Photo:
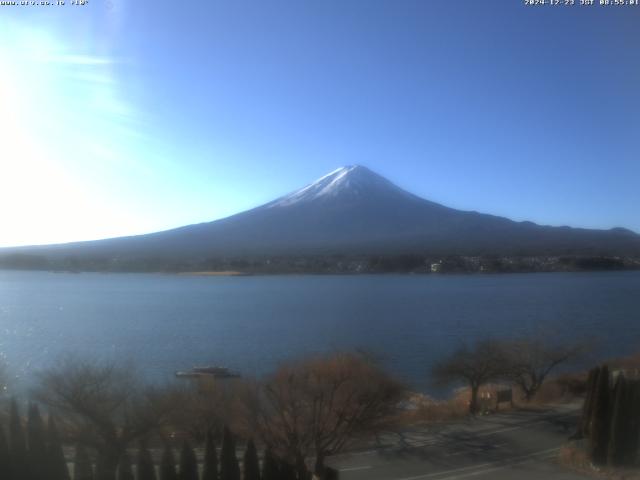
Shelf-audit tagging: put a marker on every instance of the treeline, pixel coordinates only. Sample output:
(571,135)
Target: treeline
(35,452)
(323,264)
(611,418)
(303,413)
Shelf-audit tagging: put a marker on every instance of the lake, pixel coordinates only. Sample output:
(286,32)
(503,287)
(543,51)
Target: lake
(164,323)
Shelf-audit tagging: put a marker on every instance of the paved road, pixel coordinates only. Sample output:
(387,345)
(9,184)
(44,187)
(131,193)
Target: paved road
(512,445)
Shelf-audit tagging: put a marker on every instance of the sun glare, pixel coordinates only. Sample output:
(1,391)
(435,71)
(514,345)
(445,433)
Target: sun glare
(42,199)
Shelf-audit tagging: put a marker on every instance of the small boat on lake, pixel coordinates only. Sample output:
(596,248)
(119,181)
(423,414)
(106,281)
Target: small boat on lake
(208,372)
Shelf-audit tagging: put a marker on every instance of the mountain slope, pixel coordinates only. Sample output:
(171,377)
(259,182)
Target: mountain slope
(353,210)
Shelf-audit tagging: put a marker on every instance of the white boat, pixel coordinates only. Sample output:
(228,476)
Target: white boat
(209,371)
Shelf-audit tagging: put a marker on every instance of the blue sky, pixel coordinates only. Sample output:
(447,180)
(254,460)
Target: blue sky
(130,117)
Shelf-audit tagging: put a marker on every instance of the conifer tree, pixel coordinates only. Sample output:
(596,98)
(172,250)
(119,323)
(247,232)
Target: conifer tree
(145,469)
(56,463)
(18,446)
(210,467)
(104,469)
(587,408)
(82,468)
(5,459)
(125,470)
(619,422)
(269,466)
(600,419)
(168,464)
(188,463)
(330,474)
(37,444)
(287,472)
(633,438)
(229,468)
(251,463)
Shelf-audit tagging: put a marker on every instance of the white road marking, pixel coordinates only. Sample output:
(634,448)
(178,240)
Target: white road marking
(475,449)
(357,454)
(434,474)
(353,469)
(481,468)
(489,470)
(461,452)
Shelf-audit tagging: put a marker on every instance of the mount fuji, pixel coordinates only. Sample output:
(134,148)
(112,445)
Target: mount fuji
(351,210)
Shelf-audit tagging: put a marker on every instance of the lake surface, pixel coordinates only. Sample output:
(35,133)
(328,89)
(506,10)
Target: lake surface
(164,323)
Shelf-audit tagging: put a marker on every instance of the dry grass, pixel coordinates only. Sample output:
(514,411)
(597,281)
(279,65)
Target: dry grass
(571,386)
(574,456)
(424,409)
(563,389)
(630,362)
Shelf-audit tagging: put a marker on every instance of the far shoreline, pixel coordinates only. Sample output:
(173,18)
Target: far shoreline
(216,273)
(235,273)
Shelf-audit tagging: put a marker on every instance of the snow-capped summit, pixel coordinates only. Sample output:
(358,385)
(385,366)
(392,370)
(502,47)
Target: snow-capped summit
(348,182)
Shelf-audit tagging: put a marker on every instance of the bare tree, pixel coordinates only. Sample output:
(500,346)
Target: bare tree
(529,361)
(204,407)
(102,406)
(319,406)
(474,366)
